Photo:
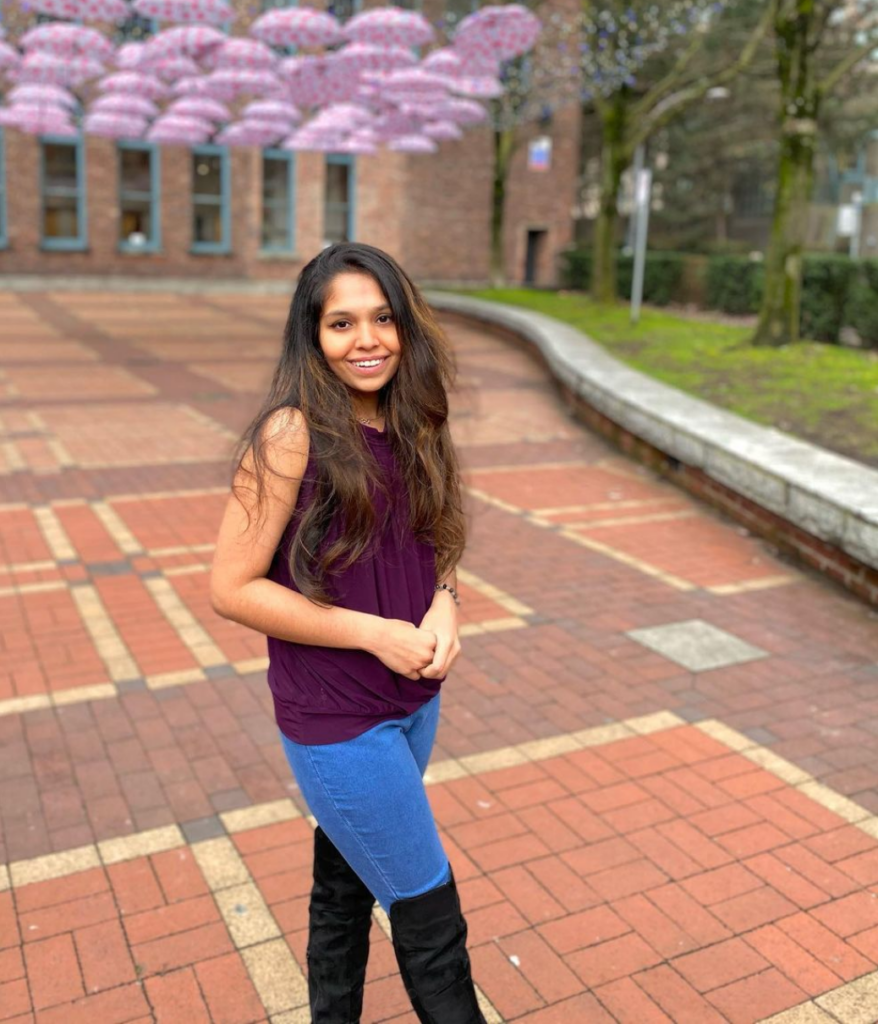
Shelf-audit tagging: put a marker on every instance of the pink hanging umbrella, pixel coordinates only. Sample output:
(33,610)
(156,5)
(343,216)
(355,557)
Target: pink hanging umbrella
(52,95)
(296,26)
(211,12)
(115,126)
(133,82)
(389,26)
(193,124)
(193,41)
(442,130)
(313,81)
(121,103)
(396,122)
(347,115)
(200,106)
(232,82)
(191,85)
(411,81)
(313,142)
(357,147)
(250,133)
(498,32)
(175,135)
(61,40)
(443,61)
(273,110)
(85,10)
(463,111)
(168,68)
(247,54)
(454,63)
(412,144)
(38,119)
(368,57)
(9,56)
(482,87)
(129,55)
(186,130)
(51,70)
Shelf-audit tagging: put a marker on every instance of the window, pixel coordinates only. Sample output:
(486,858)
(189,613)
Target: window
(62,179)
(278,207)
(344,9)
(457,10)
(139,228)
(135,28)
(338,211)
(4,233)
(211,222)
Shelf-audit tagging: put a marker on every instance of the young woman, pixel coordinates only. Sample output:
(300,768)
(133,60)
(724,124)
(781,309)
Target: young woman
(340,542)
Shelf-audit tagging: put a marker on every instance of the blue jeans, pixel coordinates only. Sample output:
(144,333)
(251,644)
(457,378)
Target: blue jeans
(368,796)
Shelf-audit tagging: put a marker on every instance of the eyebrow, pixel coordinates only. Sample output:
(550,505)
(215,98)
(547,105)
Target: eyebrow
(344,312)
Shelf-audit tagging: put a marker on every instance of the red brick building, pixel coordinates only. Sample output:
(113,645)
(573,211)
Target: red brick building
(92,206)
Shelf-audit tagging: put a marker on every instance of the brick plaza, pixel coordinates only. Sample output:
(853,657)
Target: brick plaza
(656,774)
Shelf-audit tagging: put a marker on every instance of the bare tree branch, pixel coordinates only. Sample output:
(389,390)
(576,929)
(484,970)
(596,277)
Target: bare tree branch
(672,80)
(831,81)
(674,104)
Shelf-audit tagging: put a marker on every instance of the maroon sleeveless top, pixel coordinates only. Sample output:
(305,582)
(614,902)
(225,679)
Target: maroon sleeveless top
(328,694)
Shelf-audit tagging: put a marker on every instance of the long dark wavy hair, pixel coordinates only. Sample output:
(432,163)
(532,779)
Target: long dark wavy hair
(415,406)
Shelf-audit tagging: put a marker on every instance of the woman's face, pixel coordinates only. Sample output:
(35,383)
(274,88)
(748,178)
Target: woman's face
(357,333)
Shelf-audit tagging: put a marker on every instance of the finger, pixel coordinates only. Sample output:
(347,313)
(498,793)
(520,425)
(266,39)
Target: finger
(436,668)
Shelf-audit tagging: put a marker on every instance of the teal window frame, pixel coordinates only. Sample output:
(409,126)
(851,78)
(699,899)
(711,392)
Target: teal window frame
(290,159)
(80,243)
(223,247)
(4,227)
(349,160)
(154,195)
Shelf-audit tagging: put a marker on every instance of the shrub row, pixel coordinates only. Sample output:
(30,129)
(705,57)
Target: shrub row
(661,279)
(837,292)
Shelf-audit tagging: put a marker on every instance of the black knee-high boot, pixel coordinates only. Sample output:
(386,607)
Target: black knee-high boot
(429,939)
(339,919)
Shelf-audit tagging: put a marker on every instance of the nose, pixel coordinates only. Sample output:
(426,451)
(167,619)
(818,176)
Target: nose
(368,338)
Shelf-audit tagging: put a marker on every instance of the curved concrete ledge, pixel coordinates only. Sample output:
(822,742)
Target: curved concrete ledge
(827,496)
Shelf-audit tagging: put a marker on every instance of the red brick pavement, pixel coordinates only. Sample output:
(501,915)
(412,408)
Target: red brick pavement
(662,877)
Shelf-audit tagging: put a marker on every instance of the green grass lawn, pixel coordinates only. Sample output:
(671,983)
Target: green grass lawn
(823,393)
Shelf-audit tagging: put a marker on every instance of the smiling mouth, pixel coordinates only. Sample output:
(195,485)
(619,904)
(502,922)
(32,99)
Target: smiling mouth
(368,364)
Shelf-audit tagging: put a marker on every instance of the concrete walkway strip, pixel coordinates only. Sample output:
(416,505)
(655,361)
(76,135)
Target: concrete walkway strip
(826,495)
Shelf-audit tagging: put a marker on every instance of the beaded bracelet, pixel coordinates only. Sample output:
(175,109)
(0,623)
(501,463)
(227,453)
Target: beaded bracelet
(450,589)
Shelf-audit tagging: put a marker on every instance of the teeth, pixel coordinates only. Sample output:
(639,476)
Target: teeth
(368,363)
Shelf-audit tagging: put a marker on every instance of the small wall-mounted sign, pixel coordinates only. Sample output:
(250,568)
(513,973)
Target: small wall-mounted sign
(539,154)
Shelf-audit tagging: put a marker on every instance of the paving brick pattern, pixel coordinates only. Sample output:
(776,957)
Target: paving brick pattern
(663,877)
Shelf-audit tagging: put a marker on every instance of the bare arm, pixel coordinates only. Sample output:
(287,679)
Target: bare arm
(248,539)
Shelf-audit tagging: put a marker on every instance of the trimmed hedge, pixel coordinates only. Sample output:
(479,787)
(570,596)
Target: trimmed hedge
(734,284)
(826,288)
(837,292)
(661,280)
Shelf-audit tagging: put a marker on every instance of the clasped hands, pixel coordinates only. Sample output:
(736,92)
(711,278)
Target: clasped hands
(426,651)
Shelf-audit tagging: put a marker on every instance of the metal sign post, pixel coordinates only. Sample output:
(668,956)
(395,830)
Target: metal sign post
(643,196)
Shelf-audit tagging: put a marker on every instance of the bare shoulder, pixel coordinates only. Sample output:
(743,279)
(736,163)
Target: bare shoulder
(286,442)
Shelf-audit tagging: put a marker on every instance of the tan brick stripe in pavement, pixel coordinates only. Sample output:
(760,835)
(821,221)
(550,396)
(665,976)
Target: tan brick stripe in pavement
(242,879)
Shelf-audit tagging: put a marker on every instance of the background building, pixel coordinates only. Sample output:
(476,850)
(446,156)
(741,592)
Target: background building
(93,206)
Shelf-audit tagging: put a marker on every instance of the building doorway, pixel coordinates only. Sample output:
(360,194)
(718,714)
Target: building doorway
(533,256)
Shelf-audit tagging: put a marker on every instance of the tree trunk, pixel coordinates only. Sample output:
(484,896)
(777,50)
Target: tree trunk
(780,315)
(503,149)
(615,158)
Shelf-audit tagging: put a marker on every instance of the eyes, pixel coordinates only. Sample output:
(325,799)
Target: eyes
(383,320)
